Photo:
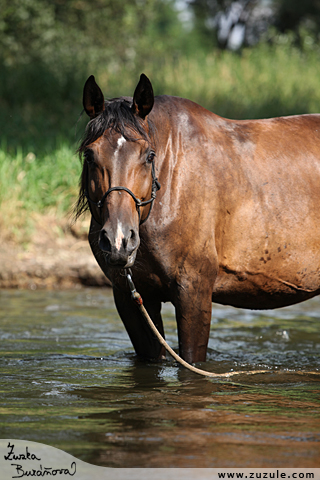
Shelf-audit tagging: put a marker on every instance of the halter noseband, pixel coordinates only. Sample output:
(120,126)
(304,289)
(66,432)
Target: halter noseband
(138,202)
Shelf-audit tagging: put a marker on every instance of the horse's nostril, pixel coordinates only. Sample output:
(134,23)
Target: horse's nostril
(104,242)
(134,239)
(130,241)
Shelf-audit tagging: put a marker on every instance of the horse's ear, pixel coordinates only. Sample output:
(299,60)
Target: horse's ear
(143,98)
(93,101)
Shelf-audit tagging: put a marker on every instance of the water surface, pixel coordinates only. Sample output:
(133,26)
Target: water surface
(70,379)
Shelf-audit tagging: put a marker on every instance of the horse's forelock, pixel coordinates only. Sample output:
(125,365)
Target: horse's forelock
(119,117)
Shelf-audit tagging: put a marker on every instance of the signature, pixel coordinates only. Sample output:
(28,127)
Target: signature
(40,471)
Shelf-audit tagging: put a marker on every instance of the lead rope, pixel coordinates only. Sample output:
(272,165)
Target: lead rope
(139,302)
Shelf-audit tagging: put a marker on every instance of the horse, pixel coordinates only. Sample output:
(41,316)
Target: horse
(201,208)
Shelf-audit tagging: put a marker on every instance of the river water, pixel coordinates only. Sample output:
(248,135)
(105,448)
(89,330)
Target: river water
(70,379)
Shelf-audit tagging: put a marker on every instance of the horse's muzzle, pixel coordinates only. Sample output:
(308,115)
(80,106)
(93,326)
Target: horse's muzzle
(120,249)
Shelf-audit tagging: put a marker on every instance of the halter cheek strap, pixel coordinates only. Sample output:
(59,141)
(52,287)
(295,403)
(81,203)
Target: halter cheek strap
(138,202)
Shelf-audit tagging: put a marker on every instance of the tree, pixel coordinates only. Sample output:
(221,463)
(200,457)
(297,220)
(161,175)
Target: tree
(291,15)
(231,24)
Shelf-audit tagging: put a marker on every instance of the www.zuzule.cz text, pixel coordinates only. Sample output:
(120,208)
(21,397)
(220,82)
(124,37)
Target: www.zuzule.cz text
(274,475)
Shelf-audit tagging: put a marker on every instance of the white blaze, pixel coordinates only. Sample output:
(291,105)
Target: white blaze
(119,236)
(121,141)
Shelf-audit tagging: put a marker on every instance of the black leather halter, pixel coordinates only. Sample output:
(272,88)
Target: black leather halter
(138,202)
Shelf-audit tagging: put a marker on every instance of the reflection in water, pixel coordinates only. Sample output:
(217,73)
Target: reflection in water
(69,378)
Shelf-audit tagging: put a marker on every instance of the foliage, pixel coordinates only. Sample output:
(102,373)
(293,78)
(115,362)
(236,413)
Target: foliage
(85,31)
(49,47)
(293,14)
(287,16)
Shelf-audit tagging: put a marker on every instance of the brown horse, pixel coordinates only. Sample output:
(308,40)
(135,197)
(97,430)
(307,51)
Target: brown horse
(236,221)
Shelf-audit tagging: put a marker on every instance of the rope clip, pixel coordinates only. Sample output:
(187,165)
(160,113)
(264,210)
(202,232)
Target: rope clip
(136,297)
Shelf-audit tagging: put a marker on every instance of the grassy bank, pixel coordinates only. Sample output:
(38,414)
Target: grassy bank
(42,174)
(33,185)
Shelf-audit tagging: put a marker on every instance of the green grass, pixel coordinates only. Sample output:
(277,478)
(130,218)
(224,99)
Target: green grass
(262,82)
(265,81)
(32,185)
(39,170)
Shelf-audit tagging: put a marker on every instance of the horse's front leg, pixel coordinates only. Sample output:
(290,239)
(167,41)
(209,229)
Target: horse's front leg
(193,304)
(143,340)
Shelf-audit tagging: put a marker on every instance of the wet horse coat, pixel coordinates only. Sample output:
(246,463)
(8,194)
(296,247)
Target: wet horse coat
(236,221)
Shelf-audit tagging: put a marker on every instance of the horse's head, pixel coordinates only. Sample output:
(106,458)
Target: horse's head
(118,179)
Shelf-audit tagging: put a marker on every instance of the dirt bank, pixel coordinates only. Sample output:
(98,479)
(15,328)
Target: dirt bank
(56,255)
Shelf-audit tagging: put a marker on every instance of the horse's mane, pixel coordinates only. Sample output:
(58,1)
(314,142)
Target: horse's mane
(119,117)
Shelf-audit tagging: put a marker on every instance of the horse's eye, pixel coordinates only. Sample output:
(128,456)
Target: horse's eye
(89,158)
(151,156)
